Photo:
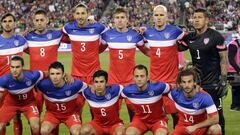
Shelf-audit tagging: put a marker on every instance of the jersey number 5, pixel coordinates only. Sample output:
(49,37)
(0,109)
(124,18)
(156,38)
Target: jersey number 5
(61,107)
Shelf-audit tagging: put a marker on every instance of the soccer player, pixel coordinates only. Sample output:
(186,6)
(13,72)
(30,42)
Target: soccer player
(104,105)
(122,42)
(162,38)
(10,45)
(20,96)
(84,39)
(209,56)
(60,99)
(234,70)
(198,114)
(42,47)
(146,99)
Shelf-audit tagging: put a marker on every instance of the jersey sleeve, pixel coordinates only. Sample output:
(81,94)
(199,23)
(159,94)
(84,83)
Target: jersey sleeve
(104,38)
(219,39)
(140,40)
(2,84)
(209,105)
(38,75)
(82,85)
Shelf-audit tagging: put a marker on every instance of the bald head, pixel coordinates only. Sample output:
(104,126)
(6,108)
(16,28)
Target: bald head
(160,17)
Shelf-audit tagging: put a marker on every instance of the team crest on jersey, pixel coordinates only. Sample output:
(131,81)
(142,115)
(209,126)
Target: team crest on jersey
(91,31)
(108,96)
(167,35)
(28,83)
(151,92)
(129,38)
(206,40)
(49,36)
(195,105)
(68,92)
(16,42)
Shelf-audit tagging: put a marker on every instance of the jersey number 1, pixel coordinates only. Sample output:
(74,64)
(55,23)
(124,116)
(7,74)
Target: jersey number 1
(146,109)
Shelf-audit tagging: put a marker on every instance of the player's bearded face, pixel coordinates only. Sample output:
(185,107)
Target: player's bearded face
(99,85)
(159,17)
(81,15)
(8,24)
(140,78)
(120,20)
(188,84)
(199,20)
(56,76)
(16,69)
(40,22)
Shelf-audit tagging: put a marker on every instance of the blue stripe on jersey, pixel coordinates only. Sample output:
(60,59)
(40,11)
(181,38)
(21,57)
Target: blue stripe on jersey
(49,35)
(131,36)
(153,89)
(67,90)
(199,101)
(90,29)
(29,79)
(111,92)
(170,32)
(12,42)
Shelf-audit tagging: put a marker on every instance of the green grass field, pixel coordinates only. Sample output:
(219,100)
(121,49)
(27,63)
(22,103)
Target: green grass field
(232,118)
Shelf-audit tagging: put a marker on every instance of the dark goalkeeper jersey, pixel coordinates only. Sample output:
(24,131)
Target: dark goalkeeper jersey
(204,50)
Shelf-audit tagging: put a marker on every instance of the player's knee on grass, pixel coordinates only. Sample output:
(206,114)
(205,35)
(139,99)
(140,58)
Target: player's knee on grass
(132,131)
(2,126)
(34,124)
(120,130)
(46,128)
(214,129)
(75,129)
(160,131)
(87,130)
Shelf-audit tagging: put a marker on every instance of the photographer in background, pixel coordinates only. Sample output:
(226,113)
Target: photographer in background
(234,72)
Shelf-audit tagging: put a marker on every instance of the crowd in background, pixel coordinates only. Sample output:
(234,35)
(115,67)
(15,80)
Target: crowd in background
(225,14)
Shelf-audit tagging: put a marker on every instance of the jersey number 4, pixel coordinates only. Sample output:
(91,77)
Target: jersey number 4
(188,118)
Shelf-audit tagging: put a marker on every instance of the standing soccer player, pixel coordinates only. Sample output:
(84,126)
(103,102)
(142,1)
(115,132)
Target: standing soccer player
(20,96)
(104,105)
(146,99)
(84,39)
(60,99)
(209,56)
(10,45)
(122,42)
(198,114)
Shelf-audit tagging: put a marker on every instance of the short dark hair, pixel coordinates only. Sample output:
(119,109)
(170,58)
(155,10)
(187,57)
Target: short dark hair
(99,73)
(41,12)
(80,5)
(7,15)
(141,67)
(56,65)
(120,10)
(202,10)
(187,72)
(17,58)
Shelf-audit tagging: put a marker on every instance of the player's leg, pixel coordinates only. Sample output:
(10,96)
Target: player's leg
(46,128)
(74,124)
(170,108)
(160,127)
(7,113)
(17,124)
(235,106)
(2,96)
(214,130)
(118,129)
(179,130)
(32,114)
(88,129)
(136,127)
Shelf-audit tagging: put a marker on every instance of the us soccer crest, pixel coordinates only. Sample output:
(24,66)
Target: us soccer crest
(68,92)
(108,96)
(91,31)
(195,105)
(206,40)
(49,36)
(129,38)
(151,92)
(167,35)
(28,83)
(16,42)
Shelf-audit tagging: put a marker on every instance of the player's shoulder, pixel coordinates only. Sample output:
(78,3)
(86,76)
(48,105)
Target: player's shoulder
(214,33)
(156,85)
(5,78)
(70,25)
(114,88)
(55,32)
(19,38)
